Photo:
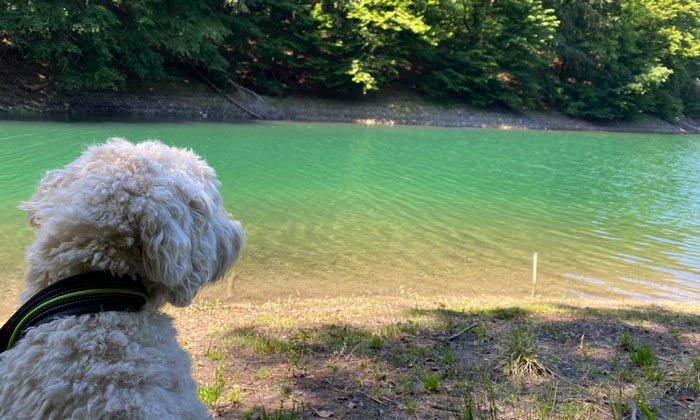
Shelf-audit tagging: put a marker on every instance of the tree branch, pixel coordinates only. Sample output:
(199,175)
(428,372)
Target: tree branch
(230,98)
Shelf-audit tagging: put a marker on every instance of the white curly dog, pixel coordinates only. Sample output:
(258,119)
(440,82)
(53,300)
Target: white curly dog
(146,211)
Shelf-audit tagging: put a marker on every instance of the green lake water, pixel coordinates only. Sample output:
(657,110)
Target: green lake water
(333,209)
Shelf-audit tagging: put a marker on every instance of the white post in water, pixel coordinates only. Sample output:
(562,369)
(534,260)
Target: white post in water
(534,273)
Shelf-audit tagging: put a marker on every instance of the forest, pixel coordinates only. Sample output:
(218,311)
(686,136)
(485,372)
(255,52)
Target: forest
(594,59)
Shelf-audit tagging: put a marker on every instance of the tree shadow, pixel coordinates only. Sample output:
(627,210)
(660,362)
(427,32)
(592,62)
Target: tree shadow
(417,366)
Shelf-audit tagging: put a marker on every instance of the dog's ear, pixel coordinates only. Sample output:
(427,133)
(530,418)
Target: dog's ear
(187,241)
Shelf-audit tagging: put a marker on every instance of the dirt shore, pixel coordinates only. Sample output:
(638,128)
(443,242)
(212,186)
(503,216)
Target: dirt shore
(421,357)
(30,96)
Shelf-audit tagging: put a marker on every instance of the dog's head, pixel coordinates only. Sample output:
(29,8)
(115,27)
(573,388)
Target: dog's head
(144,209)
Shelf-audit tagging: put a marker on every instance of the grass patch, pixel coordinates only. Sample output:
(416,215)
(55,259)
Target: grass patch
(375,342)
(690,373)
(627,342)
(521,354)
(617,403)
(294,413)
(431,382)
(235,395)
(411,405)
(214,355)
(262,372)
(507,313)
(476,397)
(261,344)
(643,356)
(209,394)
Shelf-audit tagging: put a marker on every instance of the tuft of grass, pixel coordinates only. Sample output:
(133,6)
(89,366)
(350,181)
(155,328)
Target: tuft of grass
(574,410)
(276,321)
(209,394)
(411,405)
(449,360)
(375,342)
(378,392)
(431,382)
(627,342)
(653,373)
(475,400)
(404,385)
(262,372)
(260,344)
(691,374)
(643,356)
(214,355)
(508,313)
(296,412)
(480,331)
(626,374)
(544,405)
(617,403)
(235,395)
(522,354)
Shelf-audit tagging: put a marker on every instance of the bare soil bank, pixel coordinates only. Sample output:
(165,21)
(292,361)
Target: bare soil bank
(443,358)
(29,95)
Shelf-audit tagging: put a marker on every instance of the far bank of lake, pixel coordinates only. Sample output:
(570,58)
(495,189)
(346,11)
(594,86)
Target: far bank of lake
(198,102)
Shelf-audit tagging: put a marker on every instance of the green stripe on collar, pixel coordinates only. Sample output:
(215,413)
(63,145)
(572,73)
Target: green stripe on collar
(77,295)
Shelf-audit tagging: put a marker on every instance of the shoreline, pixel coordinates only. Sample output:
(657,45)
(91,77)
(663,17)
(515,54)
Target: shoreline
(198,103)
(442,358)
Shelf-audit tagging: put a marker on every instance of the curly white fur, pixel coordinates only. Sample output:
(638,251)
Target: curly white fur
(144,210)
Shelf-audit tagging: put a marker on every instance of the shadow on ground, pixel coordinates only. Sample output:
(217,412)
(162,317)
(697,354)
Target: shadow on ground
(529,362)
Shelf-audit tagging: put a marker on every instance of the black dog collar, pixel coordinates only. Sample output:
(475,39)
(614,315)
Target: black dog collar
(77,295)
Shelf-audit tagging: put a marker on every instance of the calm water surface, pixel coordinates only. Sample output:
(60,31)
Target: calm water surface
(343,209)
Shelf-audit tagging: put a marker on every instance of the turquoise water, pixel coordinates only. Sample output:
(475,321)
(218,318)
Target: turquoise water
(344,209)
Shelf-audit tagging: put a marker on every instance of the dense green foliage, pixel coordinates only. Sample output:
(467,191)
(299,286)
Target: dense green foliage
(618,58)
(98,44)
(589,58)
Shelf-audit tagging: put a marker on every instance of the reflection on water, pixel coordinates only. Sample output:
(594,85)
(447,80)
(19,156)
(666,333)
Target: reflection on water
(342,209)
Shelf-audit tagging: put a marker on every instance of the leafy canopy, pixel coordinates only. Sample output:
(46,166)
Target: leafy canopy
(599,59)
